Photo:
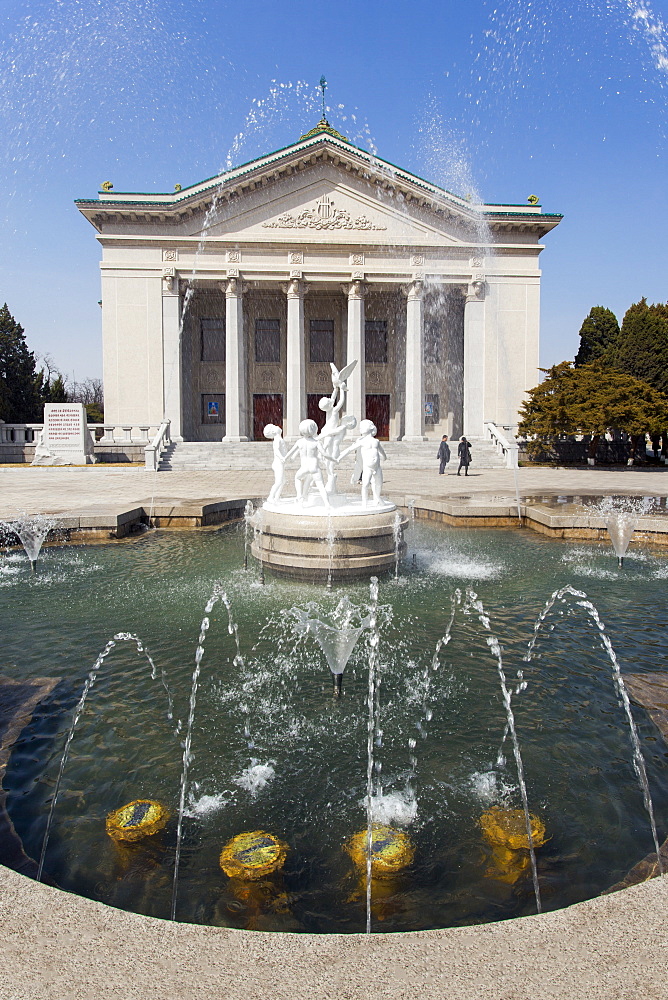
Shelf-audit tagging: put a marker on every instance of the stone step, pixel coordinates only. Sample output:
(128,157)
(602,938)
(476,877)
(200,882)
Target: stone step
(256,455)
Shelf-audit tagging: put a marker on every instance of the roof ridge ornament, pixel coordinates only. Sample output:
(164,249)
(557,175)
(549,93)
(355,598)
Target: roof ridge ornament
(323,125)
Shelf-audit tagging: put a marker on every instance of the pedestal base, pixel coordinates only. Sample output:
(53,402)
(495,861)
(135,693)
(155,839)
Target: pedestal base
(313,547)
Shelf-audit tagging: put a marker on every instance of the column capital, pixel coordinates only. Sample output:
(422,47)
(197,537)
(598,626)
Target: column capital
(170,281)
(234,286)
(476,289)
(357,289)
(295,288)
(415,288)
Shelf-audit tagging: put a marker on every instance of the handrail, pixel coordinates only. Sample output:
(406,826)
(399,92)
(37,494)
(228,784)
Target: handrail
(153,451)
(505,445)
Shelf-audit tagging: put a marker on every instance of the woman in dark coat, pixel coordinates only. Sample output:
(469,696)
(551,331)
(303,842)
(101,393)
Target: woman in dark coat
(464,452)
(443,454)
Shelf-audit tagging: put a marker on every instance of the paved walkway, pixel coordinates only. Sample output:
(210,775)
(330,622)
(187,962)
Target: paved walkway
(24,489)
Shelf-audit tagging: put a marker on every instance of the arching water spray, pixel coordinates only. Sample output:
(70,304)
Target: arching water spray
(638,759)
(372,725)
(90,680)
(473,604)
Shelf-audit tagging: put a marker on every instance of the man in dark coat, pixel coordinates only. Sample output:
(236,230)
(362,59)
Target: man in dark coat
(464,452)
(443,454)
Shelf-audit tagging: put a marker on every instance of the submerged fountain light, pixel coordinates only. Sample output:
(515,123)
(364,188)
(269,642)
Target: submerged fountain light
(136,820)
(391,851)
(253,855)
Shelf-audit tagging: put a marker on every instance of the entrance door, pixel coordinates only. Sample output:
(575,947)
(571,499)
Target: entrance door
(267,409)
(378,410)
(313,411)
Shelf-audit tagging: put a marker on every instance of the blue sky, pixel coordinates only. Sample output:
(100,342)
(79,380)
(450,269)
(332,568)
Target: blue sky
(505,99)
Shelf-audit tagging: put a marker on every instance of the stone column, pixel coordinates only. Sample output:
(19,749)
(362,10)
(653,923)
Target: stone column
(172,387)
(355,348)
(414,404)
(236,407)
(474,359)
(295,382)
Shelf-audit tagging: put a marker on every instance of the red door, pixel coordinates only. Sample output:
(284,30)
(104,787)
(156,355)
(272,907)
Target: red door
(378,410)
(313,411)
(267,409)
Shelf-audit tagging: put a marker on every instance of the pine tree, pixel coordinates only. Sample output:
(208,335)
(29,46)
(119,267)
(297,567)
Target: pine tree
(20,385)
(641,350)
(598,332)
(589,400)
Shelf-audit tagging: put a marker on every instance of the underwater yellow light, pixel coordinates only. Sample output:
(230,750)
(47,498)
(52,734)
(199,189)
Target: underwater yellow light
(391,850)
(253,855)
(137,819)
(507,828)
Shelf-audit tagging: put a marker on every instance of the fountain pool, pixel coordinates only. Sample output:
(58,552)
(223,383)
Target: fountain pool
(272,750)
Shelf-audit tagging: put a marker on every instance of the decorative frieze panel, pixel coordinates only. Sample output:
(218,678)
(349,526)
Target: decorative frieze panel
(170,254)
(357,260)
(417,260)
(324,216)
(233,256)
(295,257)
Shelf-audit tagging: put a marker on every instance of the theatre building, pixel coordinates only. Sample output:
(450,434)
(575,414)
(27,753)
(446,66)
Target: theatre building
(224,303)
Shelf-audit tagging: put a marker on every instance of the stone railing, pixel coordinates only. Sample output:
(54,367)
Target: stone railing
(506,444)
(18,434)
(153,451)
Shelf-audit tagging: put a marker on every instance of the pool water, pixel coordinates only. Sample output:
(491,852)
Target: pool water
(273,750)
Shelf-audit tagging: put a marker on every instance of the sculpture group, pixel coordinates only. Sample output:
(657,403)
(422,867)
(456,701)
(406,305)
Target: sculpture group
(320,452)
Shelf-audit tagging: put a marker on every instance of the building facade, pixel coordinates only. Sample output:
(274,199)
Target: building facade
(224,303)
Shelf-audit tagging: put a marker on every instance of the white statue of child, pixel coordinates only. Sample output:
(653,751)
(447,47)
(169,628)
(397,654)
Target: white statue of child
(310,450)
(372,454)
(280,449)
(332,448)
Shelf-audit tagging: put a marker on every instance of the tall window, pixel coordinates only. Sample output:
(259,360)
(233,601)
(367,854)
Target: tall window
(375,341)
(267,340)
(213,340)
(322,340)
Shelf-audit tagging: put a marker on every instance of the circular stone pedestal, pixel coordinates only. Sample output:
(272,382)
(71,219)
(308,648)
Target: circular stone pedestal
(310,544)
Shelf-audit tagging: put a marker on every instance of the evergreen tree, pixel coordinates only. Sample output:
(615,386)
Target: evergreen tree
(589,400)
(54,390)
(641,350)
(599,330)
(20,385)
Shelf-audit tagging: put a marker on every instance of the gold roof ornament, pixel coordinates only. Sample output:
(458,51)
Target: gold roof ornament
(533,199)
(106,185)
(323,125)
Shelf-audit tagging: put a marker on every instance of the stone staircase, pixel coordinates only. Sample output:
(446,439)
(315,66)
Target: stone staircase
(249,456)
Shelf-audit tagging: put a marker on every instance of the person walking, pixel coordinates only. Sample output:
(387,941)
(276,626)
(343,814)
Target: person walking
(443,454)
(464,452)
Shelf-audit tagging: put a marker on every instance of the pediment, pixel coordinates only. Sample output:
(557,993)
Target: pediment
(324,203)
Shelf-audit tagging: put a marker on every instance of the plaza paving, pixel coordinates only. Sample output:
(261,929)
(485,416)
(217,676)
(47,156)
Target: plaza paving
(24,489)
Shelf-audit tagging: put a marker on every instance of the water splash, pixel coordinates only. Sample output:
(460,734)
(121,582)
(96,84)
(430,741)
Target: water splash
(255,778)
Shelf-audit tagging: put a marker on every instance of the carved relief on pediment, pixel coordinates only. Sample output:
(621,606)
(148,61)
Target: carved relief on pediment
(325,215)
